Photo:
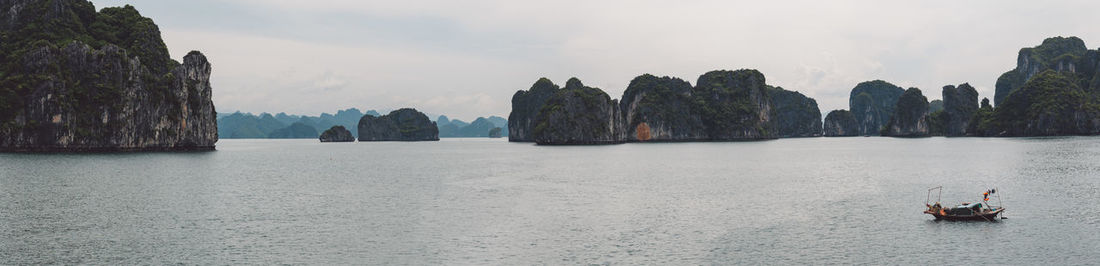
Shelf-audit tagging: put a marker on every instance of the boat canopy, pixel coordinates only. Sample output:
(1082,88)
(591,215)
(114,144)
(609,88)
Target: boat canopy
(971,205)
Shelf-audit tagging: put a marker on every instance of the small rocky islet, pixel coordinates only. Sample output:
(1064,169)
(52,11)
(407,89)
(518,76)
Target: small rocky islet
(404,124)
(337,134)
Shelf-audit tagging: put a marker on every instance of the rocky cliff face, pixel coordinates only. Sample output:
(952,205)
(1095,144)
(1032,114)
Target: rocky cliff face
(735,105)
(1049,104)
(795,114)
(1059,54)
(337,134)
(1053,90)
(872,103)
(404,124)
(70,88)
(910,118)
(526,106)
(578,114)
(841,123)
(496,132)
(660,109)
(724,105)
(959,105)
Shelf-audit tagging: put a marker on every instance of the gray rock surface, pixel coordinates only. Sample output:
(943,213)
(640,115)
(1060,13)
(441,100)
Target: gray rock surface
(337,134)
(910,118)
(795,114)
(61,94)
(404,124)
(578,114)
(841,123)
(660,109)
(959,105)
(526,105)
(872,103)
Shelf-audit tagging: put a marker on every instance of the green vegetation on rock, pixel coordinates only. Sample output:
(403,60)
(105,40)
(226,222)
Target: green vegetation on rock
(734,105)
(526,105)
(73,79)
(662,107)
(404,124)
(795,114)
(910,118)
(578,114)
(872,103)
(841,123)
(337,134)
(1067,55)
(1051,103)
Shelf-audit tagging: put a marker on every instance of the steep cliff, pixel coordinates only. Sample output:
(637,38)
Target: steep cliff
(734,105)
(404,124)
(872,103)
(337,134)
(910,118)
(1050,104)
(526,106)
(578,114)
(1060,54)
(660,109)
(1054,90)
(723,106)
(959,105)
(841,123)
(73,79)
(795,114)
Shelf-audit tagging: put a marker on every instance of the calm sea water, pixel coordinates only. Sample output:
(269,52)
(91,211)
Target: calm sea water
(480,201)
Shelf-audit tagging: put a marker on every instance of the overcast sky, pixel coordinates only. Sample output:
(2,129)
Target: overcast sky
(466,58)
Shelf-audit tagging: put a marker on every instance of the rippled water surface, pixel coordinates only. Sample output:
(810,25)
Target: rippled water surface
(474,201)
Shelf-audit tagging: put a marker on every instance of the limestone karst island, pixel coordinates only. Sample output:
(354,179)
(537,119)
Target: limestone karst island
(499,132)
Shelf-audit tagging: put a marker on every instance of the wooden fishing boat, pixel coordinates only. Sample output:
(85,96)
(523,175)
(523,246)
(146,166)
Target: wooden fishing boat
(978,211)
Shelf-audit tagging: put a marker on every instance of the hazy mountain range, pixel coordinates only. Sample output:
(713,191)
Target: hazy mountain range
(238,125)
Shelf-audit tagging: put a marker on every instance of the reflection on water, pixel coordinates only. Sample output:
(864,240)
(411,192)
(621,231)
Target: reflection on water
(475,201)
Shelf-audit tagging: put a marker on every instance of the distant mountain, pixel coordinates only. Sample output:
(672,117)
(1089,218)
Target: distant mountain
(499,122)
(454,128)
(298,130)
(282,125)
(247,126)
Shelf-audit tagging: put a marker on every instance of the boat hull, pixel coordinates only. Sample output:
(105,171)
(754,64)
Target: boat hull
(985,216)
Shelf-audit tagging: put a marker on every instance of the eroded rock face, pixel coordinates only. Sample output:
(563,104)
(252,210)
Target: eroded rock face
(725,105)
(1059,54)
(59,95)
(337,134)
(660,109)
(959,105)
(841,123)
(735,105)
(526,106)
(578,114)
(1050,104)
(795,114)
(404,124)
(910,118)
(872,103)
